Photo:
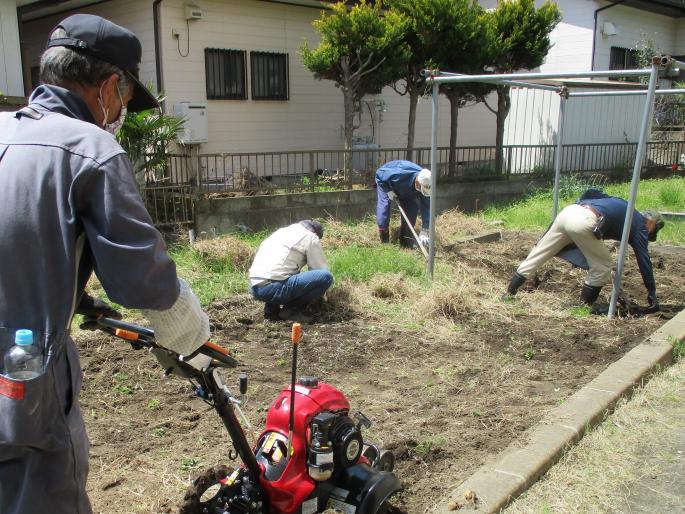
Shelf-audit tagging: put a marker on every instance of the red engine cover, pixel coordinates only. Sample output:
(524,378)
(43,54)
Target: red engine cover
(295,485)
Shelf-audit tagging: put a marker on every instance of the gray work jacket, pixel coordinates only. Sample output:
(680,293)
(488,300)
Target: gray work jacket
(69,206)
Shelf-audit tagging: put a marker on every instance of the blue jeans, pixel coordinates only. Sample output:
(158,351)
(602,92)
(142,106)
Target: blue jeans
(296,291)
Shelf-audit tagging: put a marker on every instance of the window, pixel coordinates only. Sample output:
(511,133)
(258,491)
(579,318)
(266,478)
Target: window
(623,59)
(225,74)
(269,76)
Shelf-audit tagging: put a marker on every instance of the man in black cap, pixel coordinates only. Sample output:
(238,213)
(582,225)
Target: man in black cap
(275,276)
(70,206)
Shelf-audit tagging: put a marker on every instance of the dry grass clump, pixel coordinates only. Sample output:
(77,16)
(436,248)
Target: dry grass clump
(445,301)
(454,224)
(389,286)
(225,250)
(337,234)
(341,297)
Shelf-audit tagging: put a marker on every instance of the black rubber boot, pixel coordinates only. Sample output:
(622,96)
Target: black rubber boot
(384,235)
(295,314)
(406,237)
(589,294)
(516,281)
(271,311)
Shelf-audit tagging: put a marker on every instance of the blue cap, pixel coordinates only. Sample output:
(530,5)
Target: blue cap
(23,337)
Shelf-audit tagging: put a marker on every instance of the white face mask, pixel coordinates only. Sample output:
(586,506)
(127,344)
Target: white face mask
(116,125)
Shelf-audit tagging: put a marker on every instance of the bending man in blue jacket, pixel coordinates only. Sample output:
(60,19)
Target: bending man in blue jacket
(409,185)
(596,216)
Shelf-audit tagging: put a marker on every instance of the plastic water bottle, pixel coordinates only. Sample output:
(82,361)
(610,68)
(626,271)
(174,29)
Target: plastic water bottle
(24,360)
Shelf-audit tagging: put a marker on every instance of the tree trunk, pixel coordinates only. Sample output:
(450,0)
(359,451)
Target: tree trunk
(503,106)
(348,130)
(411,126)
(454,98)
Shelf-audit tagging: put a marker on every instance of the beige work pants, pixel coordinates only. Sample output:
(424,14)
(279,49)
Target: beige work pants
(573,224)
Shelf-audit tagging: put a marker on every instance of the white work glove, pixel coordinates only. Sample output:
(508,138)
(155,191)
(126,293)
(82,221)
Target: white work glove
(392,195)
(424,238)
(184,327)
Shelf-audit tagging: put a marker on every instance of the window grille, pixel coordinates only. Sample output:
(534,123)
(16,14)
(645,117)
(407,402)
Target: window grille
(269,74)
(225,74)
(623,58)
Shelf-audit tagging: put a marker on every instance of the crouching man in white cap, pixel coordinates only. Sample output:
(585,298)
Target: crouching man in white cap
(409,185)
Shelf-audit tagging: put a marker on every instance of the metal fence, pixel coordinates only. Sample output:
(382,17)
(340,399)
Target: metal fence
(169,189)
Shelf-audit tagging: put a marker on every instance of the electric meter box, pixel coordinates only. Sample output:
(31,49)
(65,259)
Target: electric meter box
(193,12)
(195,128)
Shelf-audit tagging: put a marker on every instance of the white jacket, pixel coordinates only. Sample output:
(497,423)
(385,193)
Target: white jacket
(285,252)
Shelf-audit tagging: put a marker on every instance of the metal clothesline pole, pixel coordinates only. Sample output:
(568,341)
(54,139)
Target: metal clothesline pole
(527,76)
(586,94)
(434,181)
(531,85)
(644,131)
(435,77)
(557,155)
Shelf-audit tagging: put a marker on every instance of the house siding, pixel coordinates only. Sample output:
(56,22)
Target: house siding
(634,26)
(313,116)
(135,15)
(11,82)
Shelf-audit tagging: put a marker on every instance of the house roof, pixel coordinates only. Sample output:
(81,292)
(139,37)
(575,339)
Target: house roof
(672,8)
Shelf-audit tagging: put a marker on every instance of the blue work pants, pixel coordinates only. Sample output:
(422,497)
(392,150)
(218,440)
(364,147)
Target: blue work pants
(296,291)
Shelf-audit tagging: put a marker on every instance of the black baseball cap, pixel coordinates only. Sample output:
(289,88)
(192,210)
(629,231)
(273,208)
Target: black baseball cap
(313,226)
(111,43)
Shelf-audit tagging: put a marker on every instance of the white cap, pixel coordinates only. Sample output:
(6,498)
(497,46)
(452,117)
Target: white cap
(424,178)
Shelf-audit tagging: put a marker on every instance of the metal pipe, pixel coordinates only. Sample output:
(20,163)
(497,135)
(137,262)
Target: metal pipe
(629,92)
(646,119)
(156,13)
(531,85)
(515,76)
(434,181)
(413,232)
(557,156)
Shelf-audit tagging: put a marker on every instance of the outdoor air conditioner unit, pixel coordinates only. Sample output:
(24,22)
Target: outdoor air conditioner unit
(195,128)
(193,12)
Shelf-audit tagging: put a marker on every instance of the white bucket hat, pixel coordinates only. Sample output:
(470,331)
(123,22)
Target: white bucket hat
(424,179)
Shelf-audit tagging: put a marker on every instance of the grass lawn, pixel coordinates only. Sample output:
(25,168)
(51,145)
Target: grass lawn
(533,213)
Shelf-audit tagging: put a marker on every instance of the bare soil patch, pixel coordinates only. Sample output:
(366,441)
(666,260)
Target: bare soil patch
(444,394)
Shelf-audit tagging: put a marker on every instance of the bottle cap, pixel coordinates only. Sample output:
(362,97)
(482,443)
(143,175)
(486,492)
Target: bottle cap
(23,337)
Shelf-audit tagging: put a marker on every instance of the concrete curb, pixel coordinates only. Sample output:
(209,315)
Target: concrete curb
(517,467)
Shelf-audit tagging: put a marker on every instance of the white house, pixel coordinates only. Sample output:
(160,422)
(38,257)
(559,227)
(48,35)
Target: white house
(189,44)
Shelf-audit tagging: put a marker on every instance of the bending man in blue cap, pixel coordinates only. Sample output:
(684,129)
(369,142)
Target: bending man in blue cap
(410,186)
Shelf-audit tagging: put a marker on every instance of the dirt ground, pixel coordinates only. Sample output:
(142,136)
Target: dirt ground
(443,395)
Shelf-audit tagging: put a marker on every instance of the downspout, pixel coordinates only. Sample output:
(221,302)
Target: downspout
(156,11)
(594,29)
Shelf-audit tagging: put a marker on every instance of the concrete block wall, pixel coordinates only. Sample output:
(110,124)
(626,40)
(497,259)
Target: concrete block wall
(222,215)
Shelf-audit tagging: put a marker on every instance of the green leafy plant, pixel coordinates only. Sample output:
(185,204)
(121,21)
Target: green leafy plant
(146,137)
(159,432)
(529,354)
(580,311)
(153,404)
(519,38)
(361,49)
(678,347)
(122,389)
(189,463)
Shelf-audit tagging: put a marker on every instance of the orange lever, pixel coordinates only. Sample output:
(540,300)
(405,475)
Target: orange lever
(217,348)
(126,334)
(296,333)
